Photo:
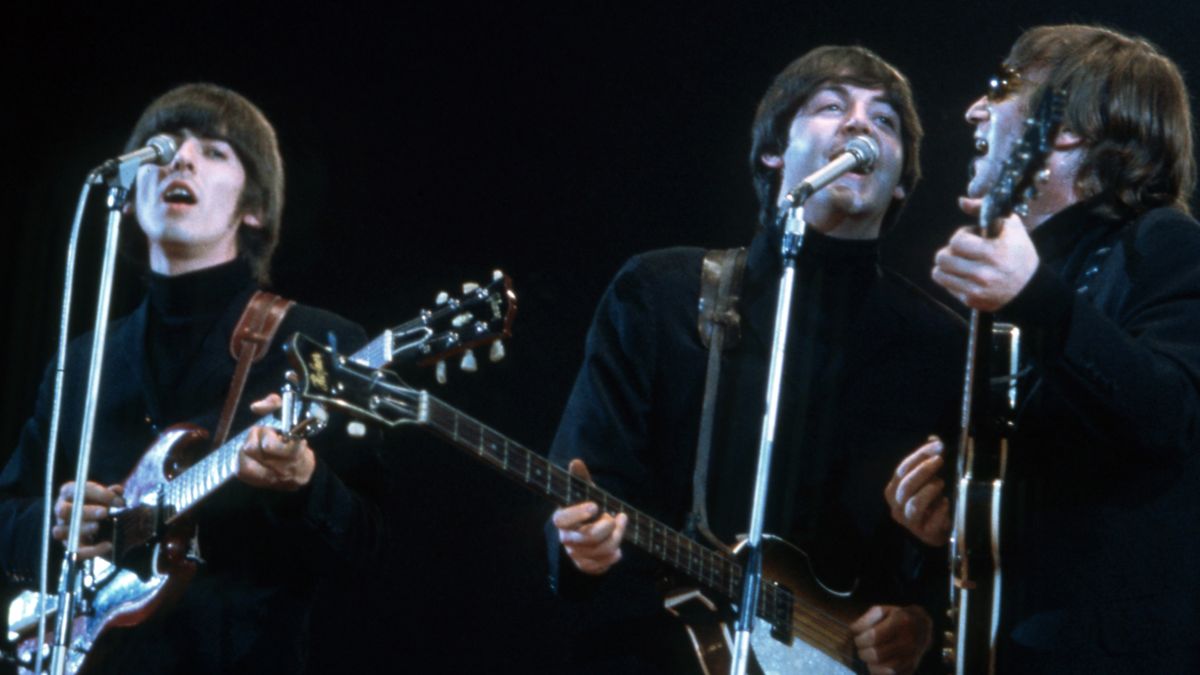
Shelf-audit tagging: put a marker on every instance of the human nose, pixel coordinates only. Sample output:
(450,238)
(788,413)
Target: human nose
(857,121)
(977,112)
(185,155)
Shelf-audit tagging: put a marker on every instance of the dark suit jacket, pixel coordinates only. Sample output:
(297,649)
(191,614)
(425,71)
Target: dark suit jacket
(264,551)
(854,404)
(1103,506)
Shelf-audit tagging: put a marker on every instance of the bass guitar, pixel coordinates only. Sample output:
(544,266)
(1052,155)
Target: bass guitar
(152,558)
(803,625)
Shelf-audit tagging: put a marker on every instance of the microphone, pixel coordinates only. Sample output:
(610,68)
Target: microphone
(159,149)
(860,153)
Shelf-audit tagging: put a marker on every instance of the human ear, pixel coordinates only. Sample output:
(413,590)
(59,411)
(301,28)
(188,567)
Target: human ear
(899,192)
(771,160)
(251,220)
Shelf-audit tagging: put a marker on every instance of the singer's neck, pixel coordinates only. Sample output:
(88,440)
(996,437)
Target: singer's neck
(831,218)
(174,258)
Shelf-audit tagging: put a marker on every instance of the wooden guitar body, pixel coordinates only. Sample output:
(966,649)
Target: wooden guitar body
(820,616)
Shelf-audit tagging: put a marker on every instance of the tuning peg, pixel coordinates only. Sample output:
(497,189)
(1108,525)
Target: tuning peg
(497,275)
(440,372)
(442,298)
(468,361)
(496,353)
(469,286)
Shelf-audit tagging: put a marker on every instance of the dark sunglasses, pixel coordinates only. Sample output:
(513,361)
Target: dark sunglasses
(1003,84)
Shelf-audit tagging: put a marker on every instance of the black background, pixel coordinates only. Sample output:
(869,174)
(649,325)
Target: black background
(425,145)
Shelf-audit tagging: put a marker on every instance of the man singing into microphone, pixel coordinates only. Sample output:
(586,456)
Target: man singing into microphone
(1101,514)
(870,360)
(210,220)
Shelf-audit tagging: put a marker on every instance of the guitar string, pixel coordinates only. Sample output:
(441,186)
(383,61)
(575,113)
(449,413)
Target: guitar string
(812,623)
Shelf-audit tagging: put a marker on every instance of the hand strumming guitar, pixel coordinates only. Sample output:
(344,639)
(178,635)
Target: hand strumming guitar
(97,499)
(916,495)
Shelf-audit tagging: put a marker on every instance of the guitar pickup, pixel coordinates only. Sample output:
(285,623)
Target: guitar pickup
(778,611)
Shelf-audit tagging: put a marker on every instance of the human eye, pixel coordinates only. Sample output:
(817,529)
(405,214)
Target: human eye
(888,120)
(826,101)
(216,150)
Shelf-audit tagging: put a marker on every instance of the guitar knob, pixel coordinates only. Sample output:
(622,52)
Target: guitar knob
(356,429)
(468,361)
(496,353)
(440,372)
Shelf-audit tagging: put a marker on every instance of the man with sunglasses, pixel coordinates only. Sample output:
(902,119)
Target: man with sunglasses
(1101,518)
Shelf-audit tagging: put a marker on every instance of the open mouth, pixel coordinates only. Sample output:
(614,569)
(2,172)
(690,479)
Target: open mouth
(178,193)
(981,147)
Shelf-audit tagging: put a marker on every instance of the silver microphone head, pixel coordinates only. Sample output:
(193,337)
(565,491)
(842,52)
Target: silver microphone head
(164,147)
(866,150)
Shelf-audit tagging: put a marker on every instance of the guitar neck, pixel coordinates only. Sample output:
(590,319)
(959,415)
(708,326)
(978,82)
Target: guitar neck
(204,477)
(718,572)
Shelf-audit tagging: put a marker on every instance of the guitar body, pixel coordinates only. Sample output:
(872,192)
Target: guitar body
(824,647)
(150,569)
(976,567)
(976,594)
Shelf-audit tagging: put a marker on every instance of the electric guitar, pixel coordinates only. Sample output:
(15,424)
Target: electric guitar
(987,414)
(802,624)
(152,559)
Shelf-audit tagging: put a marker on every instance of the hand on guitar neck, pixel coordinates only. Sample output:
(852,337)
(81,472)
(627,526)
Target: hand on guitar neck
(272,461)
(887,638)
(593,543)
(916,495)
(267,460)
(986,274)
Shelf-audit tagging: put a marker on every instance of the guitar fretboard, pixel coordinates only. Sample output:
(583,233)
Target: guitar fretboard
(219,466)
(715,570)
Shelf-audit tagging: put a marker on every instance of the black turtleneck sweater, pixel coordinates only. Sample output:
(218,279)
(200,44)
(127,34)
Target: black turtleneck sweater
(183,319)
(169,362)
(873,367)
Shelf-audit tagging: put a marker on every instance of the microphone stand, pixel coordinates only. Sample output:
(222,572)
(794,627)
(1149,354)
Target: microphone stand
(69,587)
(793,238)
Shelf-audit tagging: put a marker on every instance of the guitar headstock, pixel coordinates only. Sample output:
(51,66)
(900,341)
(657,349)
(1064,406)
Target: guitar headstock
(340,383)
(1016,184)
(482,315)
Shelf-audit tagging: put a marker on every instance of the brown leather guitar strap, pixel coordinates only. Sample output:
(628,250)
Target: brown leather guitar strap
(249,343)
(719,324)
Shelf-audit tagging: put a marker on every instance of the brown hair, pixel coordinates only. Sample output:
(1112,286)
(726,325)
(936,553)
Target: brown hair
(1128,103)
(801,79)
(212,111)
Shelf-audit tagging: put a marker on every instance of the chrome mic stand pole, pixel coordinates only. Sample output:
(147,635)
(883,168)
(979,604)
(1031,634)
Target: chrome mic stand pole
(793,238)
(118,195)
(56,412)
